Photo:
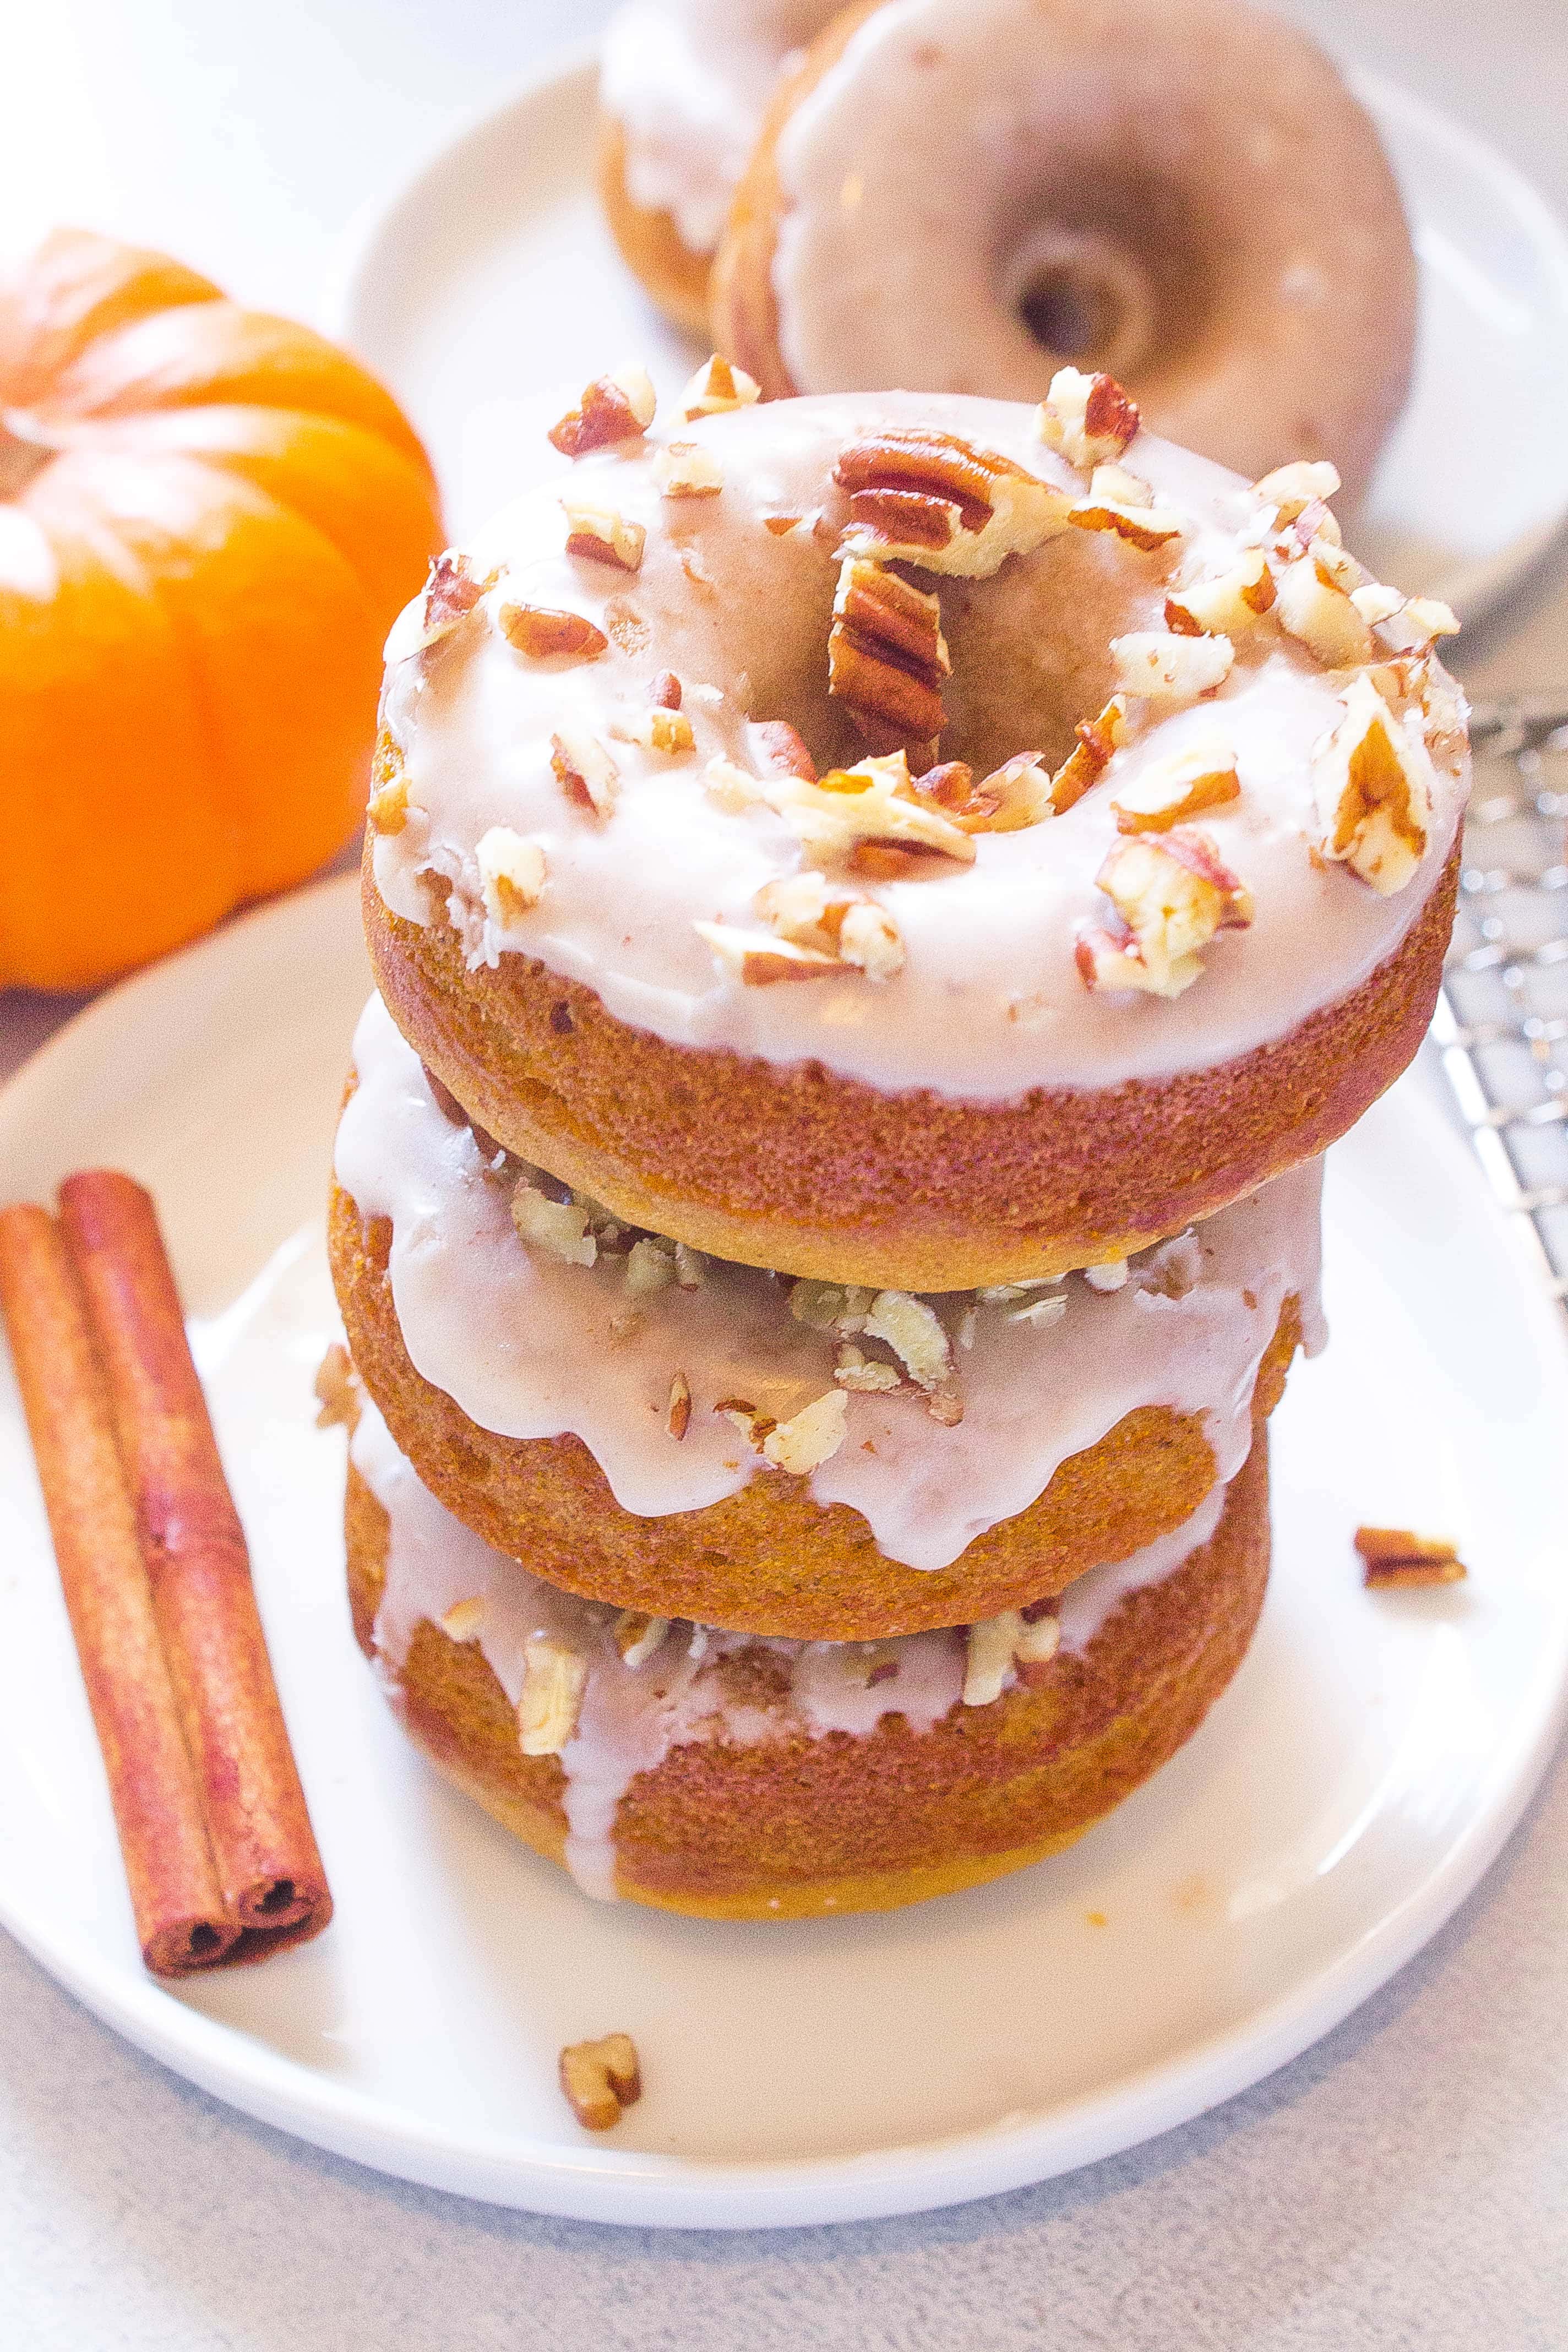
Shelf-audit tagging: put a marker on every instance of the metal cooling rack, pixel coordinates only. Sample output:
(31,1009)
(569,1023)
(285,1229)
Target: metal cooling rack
(1501,1023)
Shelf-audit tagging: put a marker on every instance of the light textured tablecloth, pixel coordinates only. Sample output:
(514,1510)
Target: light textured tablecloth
(1403,2188)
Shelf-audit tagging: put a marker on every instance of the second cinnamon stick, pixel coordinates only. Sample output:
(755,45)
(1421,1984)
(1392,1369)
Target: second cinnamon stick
(183,1921)
(198,1564)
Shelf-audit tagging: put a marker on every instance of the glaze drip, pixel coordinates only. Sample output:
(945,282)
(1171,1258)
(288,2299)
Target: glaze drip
(631,1718)
(530,1348)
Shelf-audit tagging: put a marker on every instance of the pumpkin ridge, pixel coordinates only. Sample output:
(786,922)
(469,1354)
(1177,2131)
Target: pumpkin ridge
(386,565)
(218,354)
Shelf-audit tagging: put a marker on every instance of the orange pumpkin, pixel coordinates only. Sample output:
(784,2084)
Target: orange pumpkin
(208,520)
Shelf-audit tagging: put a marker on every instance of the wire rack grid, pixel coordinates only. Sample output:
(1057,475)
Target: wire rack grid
(1501,1023)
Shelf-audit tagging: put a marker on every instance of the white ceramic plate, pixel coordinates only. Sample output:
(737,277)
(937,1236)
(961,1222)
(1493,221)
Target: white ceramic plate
(489,292)
(1343,1797)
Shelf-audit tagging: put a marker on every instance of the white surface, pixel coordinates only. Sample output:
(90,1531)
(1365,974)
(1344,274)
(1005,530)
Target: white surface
(489,292)
(1341,1800)
(1399,2189)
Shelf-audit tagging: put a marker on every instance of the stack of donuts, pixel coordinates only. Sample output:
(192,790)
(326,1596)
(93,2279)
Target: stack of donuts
(879,903)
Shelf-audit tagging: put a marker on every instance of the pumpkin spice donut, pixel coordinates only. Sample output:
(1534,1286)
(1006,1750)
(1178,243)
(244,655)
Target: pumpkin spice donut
(917,841)
(735,1778)
(650,1428)
(683,86)
(961,197)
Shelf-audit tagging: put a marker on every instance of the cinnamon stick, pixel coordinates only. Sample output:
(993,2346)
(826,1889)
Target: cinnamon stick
(198,1567)
(182,1920)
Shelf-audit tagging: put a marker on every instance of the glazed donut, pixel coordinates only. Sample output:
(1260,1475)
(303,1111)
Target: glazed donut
(1052,1012)
(735,1778)
(1013,1444)
(960,198)
(683,86)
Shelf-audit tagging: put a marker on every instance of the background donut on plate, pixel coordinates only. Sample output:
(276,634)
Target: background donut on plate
(683,86)
(735,1778)
(961,197)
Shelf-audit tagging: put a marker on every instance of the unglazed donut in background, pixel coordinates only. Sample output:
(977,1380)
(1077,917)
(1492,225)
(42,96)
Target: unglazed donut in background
(735,1778)
(994,1076)
(1183,193)
(1038,1435)
(683,87)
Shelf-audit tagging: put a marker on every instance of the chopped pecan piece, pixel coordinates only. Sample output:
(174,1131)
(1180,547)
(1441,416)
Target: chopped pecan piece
(601,2078)
(664,731)
(1294,488)
(1171,669)
(759,958)
(1396,1556)
(1118,501)
(1313,607)
(1088,419)
(1098,738)
(583,770)
(1171,790)
(781,748)
(809,1437)
(685,469)
(716,387)
(1173,893)
(603,535)
(874,805)
(388,807)
(512,873)
(1227,605)
(542,632)
(637,1635)
(613,408)
(464,1621)
(553,1681)
(1373,792)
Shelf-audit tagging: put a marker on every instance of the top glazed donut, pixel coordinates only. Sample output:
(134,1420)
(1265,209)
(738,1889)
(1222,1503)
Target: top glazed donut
(958,198)
(1060,996)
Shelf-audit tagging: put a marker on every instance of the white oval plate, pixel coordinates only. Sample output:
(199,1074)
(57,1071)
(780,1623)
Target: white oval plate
(489,291)
(1343,1796)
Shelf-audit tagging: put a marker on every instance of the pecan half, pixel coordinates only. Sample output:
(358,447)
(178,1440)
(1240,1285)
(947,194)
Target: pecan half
(887,657)
(936,501)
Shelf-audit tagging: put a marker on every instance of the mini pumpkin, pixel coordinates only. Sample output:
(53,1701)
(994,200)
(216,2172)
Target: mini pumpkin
(208,520)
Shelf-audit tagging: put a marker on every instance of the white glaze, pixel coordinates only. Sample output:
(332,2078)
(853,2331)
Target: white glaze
(956,147)
(990,1002)
(631,1719)
(522,1343)
(687,81)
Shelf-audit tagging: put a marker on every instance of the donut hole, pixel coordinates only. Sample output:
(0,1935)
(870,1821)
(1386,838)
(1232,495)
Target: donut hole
(1113,278)
(1083,299)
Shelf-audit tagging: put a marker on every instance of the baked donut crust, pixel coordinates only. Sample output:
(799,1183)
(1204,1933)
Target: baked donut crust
(1254,312)
(801,1826)
(797,1167)
(651,246)
(769,1560)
